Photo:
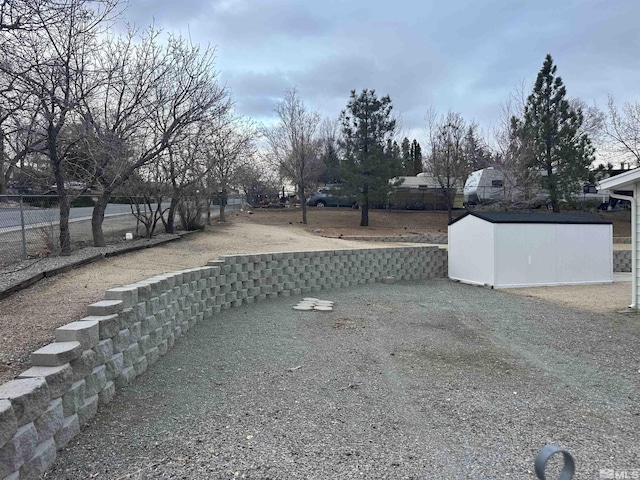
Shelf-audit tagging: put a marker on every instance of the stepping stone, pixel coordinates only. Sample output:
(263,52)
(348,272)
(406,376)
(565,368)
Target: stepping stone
(309,299)
(303,307)
(323,308)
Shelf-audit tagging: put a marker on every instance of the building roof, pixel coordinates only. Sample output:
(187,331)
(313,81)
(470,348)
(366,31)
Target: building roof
(620,182)
(423,181)
(535,217)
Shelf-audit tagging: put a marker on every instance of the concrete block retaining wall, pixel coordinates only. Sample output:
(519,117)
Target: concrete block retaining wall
(622,260)
(45,407)
(430,238)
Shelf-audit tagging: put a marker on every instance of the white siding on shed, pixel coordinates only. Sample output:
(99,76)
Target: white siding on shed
(465,241)
(552,254)
(495,251)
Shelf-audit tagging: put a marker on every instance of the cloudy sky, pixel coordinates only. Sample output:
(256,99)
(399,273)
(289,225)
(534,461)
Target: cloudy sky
(461,55)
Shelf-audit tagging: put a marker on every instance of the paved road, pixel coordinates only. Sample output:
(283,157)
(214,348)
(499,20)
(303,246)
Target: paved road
(10,218)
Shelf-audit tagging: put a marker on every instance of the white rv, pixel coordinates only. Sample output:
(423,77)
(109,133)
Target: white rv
(484,186)
(487,186)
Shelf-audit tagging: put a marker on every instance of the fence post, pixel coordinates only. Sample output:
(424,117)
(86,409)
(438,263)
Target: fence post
(22,229)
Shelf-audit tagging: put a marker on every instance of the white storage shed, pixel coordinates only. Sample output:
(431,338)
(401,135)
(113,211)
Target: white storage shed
(505,249)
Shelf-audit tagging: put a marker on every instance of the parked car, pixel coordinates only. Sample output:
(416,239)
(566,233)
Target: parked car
(330,196)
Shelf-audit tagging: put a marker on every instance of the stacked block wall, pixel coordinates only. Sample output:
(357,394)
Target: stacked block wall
(45,407)
(441,239)
(622,260)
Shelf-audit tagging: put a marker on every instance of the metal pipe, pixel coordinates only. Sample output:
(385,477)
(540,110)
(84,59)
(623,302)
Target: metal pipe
(634,243)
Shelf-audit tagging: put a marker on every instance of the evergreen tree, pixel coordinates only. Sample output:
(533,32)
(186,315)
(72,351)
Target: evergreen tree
(478,156)
(405,148)
(330,154)
(331,162)
(395,151)
(369,162)
(560,152)
(416,158)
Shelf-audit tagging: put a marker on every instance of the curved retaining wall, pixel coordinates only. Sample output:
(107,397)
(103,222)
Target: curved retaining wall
(136,324)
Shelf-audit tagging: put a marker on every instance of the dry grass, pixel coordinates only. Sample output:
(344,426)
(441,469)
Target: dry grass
(336,222)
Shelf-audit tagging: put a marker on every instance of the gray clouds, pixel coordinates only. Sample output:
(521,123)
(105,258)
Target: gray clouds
(462,55)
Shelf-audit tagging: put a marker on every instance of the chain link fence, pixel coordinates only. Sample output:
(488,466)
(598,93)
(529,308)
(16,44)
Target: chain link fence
(29,225)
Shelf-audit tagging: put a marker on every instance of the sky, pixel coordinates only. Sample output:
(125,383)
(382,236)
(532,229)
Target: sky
(465,56)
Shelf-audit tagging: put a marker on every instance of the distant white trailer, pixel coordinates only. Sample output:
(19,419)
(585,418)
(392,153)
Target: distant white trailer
(484,186)
(506,249)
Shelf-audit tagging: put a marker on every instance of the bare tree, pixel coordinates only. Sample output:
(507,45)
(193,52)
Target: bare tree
(47,61)
(622,126)
(447,161)
(147,193)
(512,150)
(183,168)
(593,122)
(295,146)
(19,135)
(152,93)
(258,182)
(28,15)
(230,144)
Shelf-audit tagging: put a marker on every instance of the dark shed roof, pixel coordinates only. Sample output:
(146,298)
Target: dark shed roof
(535,217)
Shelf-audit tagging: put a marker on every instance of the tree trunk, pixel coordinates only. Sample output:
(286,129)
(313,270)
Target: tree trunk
(303,199)
(4,176)
(223,203)
(97,218)
(553,189)
(65,234)
(364,211)
(63,199)
(171,216)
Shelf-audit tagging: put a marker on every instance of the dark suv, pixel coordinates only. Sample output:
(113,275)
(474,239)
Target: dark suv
(330,196)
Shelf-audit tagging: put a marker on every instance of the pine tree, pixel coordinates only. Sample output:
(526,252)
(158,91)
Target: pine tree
(478,156)
(560,152)
(405,148)
(416,158)
(369,160)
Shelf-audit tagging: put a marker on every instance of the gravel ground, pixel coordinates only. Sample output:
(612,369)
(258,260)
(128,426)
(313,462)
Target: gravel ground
(21,271)
(28,318)
(429,380)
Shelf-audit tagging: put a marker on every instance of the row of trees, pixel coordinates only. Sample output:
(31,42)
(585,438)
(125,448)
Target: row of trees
(114,112)
(143,111)
(546,144)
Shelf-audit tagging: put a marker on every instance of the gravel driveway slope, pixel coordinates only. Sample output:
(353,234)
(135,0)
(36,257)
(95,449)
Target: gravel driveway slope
(428,380)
